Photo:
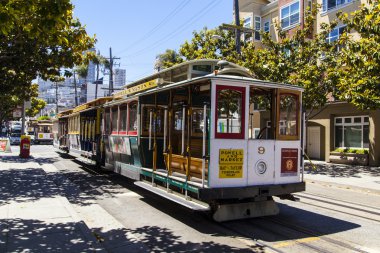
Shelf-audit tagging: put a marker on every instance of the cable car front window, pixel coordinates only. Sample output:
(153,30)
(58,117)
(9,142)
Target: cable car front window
(230,110)
(288,121)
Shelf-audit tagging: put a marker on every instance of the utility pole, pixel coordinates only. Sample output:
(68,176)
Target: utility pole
(56,98)
(237,22)
(111,89)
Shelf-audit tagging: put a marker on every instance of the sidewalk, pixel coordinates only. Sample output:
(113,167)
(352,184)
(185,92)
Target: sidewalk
(362,178)
(37,216)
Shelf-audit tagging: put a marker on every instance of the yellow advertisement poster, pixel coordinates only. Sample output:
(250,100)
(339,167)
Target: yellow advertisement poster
(231,163)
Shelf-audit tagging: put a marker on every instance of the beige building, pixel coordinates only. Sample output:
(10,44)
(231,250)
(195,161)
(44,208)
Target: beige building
(338,126)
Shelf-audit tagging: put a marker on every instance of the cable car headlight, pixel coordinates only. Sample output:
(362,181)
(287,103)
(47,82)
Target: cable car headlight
(261,167)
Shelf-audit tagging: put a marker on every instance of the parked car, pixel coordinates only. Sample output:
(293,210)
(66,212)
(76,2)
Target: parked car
(15,138)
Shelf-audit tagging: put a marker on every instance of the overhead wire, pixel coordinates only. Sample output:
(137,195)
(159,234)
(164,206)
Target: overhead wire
(177,9)
(178,30)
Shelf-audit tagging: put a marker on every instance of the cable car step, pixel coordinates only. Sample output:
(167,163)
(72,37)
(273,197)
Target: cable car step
(171,196)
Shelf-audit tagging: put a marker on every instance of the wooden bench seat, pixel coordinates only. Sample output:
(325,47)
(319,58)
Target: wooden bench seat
(179,164)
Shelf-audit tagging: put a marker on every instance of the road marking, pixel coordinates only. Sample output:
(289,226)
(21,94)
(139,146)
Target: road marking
(290,243)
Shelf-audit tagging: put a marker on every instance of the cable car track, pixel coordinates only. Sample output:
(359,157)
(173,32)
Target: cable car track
(339,203)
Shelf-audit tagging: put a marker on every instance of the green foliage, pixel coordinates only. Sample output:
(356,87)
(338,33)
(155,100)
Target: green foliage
(360,151)
(211,44)
(169,58)
(296,59)
(44,117)
(359,60)
(37,38)
(36,106)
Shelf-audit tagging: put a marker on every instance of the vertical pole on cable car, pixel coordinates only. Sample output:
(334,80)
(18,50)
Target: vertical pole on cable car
(204,145)
(169,159)
(188,151)
(154,137)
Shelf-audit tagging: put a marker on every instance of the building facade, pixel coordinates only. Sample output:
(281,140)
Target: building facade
(338,128)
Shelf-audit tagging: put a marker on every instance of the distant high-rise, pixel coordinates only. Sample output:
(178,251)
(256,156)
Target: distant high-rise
(91,69)
(119,77)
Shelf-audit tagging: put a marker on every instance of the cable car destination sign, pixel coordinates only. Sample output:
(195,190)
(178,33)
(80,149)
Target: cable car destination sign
(137,88)
(231,163)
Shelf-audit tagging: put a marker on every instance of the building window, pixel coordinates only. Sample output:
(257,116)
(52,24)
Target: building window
(257,28)
(290,15)
(335,34)
(247,22)
(332,4)
(352,132)
(267,26)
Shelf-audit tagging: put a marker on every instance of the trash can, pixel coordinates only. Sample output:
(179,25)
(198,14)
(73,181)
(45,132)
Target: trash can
(25,146)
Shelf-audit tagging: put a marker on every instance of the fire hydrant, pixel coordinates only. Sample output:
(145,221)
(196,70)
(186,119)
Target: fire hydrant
(25,146)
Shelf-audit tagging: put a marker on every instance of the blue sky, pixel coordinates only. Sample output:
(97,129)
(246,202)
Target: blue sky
(139,30)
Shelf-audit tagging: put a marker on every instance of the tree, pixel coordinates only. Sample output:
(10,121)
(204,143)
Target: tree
(98,60)
(8,104)
(168,59)
(37,38)
(296,59)
(358,67)
(205,44)
(36,106)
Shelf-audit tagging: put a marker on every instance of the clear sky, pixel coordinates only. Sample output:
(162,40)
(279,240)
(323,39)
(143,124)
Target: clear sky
(139,30)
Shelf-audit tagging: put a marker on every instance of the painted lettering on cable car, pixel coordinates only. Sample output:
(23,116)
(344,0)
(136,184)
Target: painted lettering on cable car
(231,163)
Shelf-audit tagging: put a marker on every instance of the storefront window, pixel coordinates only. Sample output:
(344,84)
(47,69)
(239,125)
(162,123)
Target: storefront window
(288,122)
(230,112)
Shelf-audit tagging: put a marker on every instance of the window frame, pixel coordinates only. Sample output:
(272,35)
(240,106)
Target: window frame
(134,132)
(121,108)
(240,135)
(257,31)
(337,6)
(352,123)
(266,21)
(278,134)
(290,26)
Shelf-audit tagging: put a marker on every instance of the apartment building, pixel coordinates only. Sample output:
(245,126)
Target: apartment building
(338,125)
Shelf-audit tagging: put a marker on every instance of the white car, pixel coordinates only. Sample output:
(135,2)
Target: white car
(15,138)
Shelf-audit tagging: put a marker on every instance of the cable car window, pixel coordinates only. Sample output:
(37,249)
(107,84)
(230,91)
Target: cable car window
(132,127)
(123,119)
(197,122)
(159,124)
(260,113)
(288,118)
(178,119)
(114,119)
(107,119)
(230,112)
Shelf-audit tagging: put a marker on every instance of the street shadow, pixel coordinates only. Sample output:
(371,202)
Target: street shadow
(341,170)
(26,185)
(31,235)
(158,239)
(17,159)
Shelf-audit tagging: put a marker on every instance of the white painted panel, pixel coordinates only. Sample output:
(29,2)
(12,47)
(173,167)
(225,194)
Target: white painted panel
(217,144)
(280,179)
(260,151)
(314,142)
(214,180)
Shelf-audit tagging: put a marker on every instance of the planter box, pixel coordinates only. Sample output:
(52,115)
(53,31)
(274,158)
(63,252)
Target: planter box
(349,158)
